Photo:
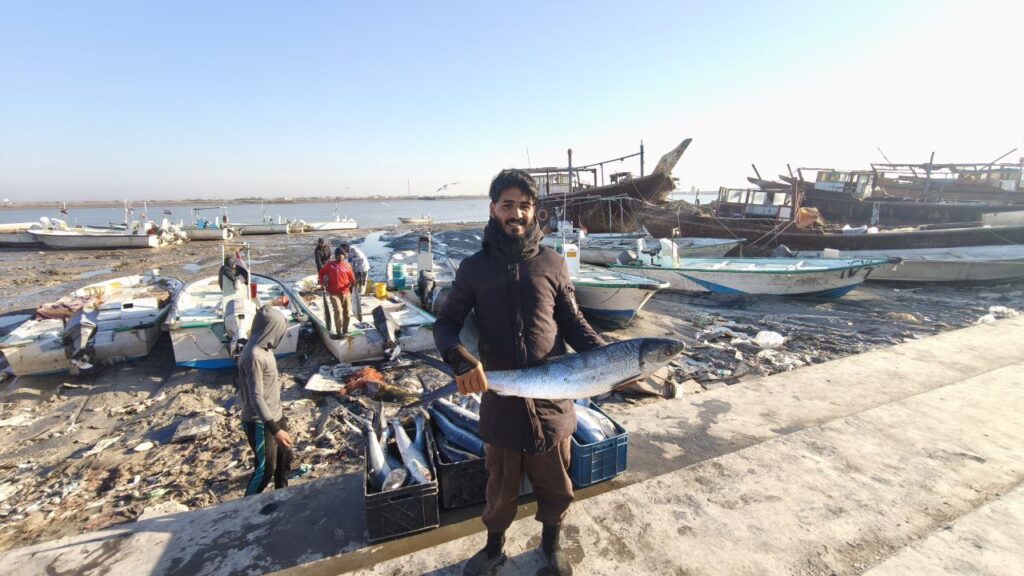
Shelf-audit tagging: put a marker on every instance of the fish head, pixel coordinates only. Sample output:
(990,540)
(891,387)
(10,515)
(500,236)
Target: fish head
(657,352)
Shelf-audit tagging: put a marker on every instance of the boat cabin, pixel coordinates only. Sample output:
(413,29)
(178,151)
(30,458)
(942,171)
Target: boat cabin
(753,203)
(857,183)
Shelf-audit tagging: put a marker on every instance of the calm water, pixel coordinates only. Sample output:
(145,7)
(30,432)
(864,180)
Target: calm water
(366,212)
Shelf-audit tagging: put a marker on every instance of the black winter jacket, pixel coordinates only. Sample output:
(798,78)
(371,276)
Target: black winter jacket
(526,310)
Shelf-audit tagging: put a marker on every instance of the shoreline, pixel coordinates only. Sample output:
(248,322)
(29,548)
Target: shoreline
(228,201)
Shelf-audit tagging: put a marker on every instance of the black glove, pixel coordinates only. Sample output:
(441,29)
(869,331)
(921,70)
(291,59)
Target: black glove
(460,360)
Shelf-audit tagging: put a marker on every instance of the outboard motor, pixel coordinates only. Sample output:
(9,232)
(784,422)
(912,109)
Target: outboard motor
(782,251)
(425,285)
(238,316)
(78,340)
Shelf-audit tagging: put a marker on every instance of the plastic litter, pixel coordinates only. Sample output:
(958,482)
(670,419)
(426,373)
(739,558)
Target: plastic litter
(194,428)
(143,447)
(769,339)
(101,446)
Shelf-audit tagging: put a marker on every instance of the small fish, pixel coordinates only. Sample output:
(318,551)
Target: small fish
(458,436)
(420,440)
(415,461)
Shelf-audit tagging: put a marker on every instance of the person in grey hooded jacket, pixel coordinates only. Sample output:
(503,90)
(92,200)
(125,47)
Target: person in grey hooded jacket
(259,396)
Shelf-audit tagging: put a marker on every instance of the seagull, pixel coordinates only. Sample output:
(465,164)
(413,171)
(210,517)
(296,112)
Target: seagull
(386,204)
(445,187)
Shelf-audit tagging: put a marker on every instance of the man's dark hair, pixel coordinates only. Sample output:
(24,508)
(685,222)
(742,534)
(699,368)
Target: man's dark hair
(513,178)
(338,252)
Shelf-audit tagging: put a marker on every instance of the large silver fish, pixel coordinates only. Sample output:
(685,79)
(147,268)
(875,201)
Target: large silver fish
(582,375)
(415,461)
(382,476)
(468,441)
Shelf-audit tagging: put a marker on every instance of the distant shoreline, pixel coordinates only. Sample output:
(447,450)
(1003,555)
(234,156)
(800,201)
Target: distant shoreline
(225,202)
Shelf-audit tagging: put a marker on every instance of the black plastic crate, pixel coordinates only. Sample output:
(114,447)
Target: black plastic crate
(461,483)
(597,462)
(405,510)
(465,483)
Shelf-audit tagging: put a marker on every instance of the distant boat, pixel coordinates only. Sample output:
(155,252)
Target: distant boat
(118,318)
(413,326)
(338,223)
(823,278)
(202,228)
(423,219)
(208,328)
(969,264)
(265,226)
(605,208)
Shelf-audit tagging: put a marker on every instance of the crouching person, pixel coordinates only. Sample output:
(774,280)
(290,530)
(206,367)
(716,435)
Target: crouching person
(259,396)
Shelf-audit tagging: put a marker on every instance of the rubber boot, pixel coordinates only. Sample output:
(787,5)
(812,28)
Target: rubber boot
(487,561)
(558,562)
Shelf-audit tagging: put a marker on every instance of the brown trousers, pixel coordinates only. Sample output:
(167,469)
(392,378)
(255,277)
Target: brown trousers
(341,307)
(548,473)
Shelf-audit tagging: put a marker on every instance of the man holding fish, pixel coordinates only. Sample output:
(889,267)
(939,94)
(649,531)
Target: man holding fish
(526,311)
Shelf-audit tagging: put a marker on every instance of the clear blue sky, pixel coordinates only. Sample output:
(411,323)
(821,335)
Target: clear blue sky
(104,100)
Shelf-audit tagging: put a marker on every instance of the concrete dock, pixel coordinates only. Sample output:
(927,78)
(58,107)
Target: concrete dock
(904,460)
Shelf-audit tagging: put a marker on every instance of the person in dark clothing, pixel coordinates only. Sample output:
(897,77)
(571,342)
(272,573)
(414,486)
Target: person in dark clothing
(231,273)
(321,254)
(521,435)
(259,396)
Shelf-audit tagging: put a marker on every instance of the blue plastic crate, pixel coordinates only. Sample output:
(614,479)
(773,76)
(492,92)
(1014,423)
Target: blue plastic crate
(597,462)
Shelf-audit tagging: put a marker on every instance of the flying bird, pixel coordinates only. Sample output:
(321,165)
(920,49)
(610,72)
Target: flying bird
(445,187)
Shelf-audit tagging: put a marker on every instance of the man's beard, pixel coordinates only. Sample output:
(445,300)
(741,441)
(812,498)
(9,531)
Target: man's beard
(515,227)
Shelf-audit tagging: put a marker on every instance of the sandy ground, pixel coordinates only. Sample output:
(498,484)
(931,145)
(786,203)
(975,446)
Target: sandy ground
(55,480)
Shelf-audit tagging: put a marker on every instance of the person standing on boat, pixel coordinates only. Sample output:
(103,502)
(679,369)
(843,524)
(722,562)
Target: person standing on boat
(259,396)
(337,278)
(360,267)
(526,310)
(321,254)
(231,275)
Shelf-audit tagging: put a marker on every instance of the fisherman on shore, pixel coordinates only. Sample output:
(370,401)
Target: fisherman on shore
(321,254)
(259,396)
(538,311)
(337,279)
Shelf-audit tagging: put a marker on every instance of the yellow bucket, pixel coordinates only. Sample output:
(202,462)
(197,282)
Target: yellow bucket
(380,290)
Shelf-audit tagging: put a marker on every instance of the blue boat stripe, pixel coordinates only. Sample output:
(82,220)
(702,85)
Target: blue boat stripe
(711,286)
(261,460)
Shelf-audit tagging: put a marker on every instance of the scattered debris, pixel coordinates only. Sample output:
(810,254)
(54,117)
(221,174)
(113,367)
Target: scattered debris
(195,428)
(143,447)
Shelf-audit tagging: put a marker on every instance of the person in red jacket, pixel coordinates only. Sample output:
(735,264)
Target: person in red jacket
(337,278)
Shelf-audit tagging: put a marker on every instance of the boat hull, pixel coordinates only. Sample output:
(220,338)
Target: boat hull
(612,305)
(126,334)
(843,208)
(85,241)
(329,226)
(956,265)
(832,282)
(765,235)
(262,229)
(15,239)
(201,339)
(209,233)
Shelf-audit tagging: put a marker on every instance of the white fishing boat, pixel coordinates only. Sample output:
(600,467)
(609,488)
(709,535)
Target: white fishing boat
(110,320)
(412,326)
(339,223)
(18,234)
(421,274)
(202,228)
(609,295)
(208,329)
(96,239)
(964,264)
(816,277)
(604,249)
(423,219)
(266,225)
